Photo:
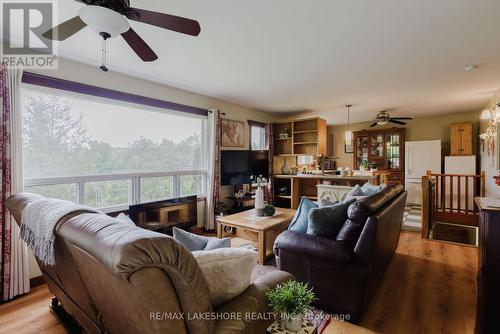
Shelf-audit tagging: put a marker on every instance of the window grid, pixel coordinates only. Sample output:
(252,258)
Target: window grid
(135,178)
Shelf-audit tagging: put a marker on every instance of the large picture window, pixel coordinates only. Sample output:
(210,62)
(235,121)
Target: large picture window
(106,153)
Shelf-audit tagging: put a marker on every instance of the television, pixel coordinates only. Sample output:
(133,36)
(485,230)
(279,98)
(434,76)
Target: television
(238,166)
(162,216)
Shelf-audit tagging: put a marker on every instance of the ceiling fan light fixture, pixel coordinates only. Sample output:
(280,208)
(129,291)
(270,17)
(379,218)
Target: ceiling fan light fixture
(104,20)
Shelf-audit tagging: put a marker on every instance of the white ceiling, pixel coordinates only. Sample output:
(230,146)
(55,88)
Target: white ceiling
(318,55)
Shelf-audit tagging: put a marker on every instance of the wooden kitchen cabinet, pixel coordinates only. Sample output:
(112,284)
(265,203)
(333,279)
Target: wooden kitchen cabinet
(461,139)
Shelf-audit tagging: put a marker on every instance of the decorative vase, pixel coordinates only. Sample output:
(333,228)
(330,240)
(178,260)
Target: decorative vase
(292,322)
(284,169)
(259,201)
(362,168)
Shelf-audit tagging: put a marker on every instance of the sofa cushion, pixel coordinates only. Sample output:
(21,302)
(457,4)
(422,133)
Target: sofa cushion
(370,189)
(327,221)
(195,242)
(349,232)
(299,221)
(364,207)
(227,270)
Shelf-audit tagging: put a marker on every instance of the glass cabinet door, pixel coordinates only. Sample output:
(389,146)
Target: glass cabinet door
(377,146)
(393,142)
(361,150)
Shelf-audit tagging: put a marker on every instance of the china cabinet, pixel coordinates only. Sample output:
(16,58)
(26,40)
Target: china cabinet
(384,149)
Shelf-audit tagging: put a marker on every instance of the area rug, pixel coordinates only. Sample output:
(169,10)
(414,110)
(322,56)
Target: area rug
(412,219)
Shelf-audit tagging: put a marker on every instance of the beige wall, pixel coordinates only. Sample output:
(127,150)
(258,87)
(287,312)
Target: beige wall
(92,75)
(488,163)
(421,128)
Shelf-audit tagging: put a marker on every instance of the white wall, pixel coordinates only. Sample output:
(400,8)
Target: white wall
(92,75)
(488,162)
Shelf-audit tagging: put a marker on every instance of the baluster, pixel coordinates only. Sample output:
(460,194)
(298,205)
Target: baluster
(451,193)
(436,188)
(459,194)
(474,192)
(467,195)
(443,193)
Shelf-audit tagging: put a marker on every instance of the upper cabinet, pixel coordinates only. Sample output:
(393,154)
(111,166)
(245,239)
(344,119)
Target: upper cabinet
(300,137)
(461,139)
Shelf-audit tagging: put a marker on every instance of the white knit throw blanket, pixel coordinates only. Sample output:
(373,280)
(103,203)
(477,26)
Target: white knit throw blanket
(38,221)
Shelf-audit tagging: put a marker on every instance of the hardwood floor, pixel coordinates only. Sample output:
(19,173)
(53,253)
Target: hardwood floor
(429,287)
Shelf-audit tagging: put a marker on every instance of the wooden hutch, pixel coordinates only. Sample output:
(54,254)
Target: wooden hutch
(385,148)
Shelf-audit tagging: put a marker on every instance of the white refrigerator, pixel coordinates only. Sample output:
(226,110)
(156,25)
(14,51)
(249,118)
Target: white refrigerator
(420,156)
(460,165)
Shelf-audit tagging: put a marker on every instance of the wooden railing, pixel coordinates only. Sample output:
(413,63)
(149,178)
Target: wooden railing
(449,198)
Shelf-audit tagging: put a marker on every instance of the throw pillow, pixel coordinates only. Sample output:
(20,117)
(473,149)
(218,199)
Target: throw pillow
(216,243)
(370,189)
(299,221)
(227,271)
(356,193)
(326,202)
(327,221)
(125,219)
(195,242)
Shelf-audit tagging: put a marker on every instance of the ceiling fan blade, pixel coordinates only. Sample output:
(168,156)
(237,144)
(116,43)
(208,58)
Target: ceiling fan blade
(166,21)
(65,29)
(139,45)
(373,124)
(408,118)
(396,122)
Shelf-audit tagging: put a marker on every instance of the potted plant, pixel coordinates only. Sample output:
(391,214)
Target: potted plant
(291,299)
(373,166)
(365,165)
(260,181)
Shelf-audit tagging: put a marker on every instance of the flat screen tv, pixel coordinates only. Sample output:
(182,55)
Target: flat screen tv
(238,166)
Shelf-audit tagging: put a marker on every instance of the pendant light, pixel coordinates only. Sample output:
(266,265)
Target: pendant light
(348,133)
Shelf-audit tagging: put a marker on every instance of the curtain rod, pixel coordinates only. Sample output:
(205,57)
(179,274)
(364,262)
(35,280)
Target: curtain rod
(222,113)
(76,87)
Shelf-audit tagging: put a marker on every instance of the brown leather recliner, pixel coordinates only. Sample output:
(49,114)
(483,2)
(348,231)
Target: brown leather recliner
(344,274)
(116,278)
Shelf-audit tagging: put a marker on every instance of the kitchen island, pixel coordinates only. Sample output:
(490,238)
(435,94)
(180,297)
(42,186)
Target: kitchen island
(289,189)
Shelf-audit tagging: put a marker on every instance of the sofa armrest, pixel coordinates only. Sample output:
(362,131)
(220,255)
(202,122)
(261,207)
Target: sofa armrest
(251,303)
(311,246)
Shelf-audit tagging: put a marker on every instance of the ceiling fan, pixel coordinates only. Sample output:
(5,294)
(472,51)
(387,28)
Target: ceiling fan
(383,118)
(108,18)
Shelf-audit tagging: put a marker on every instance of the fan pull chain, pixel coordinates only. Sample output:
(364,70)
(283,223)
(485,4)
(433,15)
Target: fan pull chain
(105,37)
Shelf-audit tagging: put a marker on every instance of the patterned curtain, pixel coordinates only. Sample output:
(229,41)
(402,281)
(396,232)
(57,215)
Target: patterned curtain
(14,273)
(218,138)
(5,185)
(214,131)
(270,140)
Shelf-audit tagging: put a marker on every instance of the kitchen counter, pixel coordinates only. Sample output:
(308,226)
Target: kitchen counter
(326,177)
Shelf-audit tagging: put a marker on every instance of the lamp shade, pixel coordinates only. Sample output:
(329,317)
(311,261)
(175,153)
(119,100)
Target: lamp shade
(348,136)
(101,19)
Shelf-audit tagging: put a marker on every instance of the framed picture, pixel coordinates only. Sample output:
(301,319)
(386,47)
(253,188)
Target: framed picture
(348,147)
(233,133)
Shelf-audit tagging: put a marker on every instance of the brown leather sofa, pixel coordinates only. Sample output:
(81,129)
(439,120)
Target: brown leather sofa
(344,273)
(112,277)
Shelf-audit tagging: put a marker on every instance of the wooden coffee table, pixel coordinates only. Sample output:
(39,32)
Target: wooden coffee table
(261,231)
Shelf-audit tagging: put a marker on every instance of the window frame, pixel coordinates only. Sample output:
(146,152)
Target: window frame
(260,125)
(48,85)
